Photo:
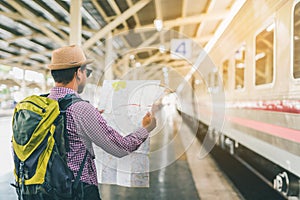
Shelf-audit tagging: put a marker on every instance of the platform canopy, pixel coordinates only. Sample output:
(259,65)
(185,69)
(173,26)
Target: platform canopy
(31,29)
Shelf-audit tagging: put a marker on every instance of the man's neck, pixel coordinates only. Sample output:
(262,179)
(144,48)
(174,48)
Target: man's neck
(72,85)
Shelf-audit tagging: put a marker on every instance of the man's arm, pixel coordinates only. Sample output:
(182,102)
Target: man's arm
(89,120)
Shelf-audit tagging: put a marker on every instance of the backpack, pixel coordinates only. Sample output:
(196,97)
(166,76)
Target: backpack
(40,147)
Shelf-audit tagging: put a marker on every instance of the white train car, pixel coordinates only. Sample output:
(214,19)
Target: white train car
(258,60)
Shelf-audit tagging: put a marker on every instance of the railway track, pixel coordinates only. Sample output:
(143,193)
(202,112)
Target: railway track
(249,184)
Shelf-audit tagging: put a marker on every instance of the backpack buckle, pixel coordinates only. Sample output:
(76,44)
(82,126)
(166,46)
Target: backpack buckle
(47,187)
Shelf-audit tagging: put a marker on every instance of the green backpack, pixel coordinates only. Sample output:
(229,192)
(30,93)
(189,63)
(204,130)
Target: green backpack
(40,146)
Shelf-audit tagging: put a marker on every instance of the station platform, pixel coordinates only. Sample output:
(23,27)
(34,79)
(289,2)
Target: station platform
(188,177)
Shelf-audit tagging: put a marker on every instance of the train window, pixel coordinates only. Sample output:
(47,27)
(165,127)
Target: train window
(296,71)
(264,56)
(239,63)
(225,74)
(213,81)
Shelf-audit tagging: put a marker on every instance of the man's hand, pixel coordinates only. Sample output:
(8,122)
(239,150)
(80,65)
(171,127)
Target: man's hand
(101,111)
(149,122)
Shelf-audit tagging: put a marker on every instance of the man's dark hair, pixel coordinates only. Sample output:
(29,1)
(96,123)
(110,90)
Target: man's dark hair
(64,76)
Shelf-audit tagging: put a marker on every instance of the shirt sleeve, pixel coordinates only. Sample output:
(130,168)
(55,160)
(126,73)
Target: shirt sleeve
(90,123)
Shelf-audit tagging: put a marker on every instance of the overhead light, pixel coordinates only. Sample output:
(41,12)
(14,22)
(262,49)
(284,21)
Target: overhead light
(240,65)
(131,57)
(238,55)
(260,55)
(198,82)
(162,49)
(138,64)
(158,24)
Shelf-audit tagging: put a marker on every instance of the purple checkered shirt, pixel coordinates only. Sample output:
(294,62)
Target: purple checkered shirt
(85,126)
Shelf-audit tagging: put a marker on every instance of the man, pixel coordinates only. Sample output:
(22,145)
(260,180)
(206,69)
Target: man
(85,125)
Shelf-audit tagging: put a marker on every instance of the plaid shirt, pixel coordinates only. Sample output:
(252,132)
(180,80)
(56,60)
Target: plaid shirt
(85,126)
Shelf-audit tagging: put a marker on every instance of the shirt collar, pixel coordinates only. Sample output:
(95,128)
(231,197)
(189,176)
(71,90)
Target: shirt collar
(59,92)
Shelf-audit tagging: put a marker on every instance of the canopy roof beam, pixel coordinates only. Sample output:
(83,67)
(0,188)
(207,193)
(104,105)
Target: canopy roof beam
(194,19)
(26,14)
(120,19)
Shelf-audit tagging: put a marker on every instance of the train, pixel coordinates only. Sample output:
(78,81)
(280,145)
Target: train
(257,60)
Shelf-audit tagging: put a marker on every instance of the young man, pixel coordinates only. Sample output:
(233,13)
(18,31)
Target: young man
(85,125)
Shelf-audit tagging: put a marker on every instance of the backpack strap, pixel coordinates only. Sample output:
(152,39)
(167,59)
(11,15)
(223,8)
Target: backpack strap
(76,182)
(44,95)
(67,100)
(64,103)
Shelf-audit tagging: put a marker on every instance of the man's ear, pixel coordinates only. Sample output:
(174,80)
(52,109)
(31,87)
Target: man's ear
(77,77)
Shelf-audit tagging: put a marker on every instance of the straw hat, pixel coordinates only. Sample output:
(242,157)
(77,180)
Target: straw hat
(68,57)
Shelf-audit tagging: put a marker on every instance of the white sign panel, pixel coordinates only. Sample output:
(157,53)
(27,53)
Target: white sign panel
(181,48)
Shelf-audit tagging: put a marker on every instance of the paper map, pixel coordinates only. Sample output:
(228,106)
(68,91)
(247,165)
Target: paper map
(125,103)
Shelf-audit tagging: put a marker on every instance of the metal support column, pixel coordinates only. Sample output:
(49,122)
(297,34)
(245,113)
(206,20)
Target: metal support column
(44,84)
(126,69)
(75,22)
(108,74)
(23,85)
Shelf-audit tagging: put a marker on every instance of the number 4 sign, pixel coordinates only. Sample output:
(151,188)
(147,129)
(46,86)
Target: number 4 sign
(181,49)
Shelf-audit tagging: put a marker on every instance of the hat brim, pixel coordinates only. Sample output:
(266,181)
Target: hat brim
(60,66)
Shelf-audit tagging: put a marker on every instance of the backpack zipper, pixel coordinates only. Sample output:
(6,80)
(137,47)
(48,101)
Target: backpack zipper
(43,109)
(21,171)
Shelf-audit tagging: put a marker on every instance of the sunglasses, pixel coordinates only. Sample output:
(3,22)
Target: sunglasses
(88,71)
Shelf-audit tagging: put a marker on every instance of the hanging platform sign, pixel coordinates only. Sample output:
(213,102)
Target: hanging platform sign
(181,48)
